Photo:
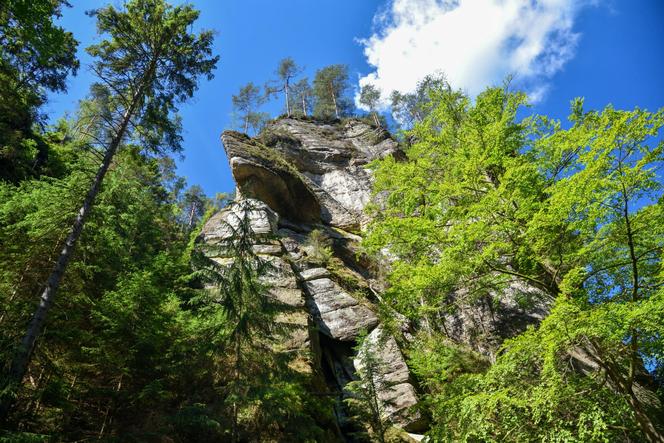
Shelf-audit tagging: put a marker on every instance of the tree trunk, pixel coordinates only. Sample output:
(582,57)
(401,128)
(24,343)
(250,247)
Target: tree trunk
(21,360)
(191,217)
(375,116)
(287,99)
(334,100)
(649,421)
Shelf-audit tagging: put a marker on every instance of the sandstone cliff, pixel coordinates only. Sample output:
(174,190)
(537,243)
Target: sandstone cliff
(301,176)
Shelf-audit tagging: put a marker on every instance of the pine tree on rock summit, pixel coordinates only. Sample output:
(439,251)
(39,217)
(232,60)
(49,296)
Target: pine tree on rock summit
(286,71)
(330,86)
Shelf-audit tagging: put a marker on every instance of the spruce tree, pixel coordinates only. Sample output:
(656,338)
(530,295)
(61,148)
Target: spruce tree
(364,400)
(147,63)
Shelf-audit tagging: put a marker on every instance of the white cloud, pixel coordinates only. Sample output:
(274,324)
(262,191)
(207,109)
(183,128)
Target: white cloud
(475,43)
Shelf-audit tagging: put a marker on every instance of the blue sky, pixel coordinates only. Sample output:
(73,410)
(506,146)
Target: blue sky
(608,52)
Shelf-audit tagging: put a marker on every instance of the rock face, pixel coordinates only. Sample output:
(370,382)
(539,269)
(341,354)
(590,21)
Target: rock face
(396,392)
(302,180)
(484,325)
(310,172)
(301,176)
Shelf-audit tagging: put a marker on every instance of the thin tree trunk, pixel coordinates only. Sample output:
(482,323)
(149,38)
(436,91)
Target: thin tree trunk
(304,105)
(650,425)
(375,116)
(287,99)
(334,100)
(191,217)
(23,355)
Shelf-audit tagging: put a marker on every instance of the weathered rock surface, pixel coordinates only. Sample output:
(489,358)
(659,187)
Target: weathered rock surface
(294,160)
(301,175)
(297,176)
(339,315)
(485,324)
(393,378)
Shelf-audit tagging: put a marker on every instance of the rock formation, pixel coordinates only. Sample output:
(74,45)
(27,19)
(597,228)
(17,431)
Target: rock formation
(301,176)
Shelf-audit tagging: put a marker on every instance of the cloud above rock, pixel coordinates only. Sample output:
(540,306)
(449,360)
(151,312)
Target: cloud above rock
(475,43)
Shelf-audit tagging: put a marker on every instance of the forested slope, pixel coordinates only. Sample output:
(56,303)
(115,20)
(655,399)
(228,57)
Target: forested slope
(478,274)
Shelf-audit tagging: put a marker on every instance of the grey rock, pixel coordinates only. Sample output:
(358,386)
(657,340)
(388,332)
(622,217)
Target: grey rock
(267,249)
(327,181)
(339,315)
(314,273)
(222,225)
(484,324)
(297,176)
(394,388)
(261,173)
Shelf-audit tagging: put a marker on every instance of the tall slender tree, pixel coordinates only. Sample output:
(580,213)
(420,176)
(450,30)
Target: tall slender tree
(147,63)
(302,97)
(286,71)
(369,97)
(330,86)
(246,102)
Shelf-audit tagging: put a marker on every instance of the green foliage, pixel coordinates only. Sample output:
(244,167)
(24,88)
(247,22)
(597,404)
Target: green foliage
(369,97)
(119,336)
(486,202)
(35,56)
(318,247)
(302,98)
(264,396)
(286,72)
(150,84)
(363,399)
(413,107)
(330,87)
(246,103)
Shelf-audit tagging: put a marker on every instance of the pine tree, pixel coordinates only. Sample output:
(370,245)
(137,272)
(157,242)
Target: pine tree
(329,89)
(286,71)
(369,97)
(149,64)
(302,97)
(246,102)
